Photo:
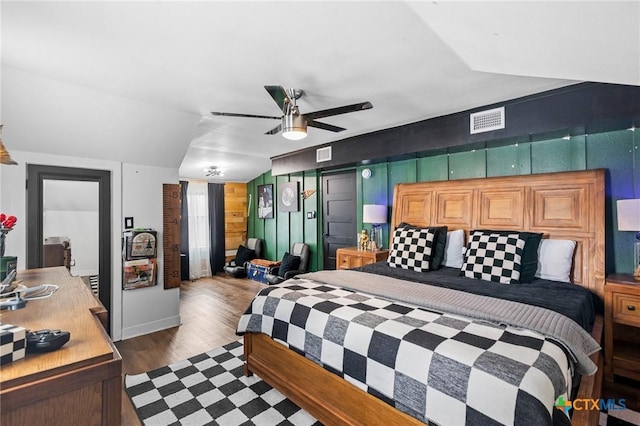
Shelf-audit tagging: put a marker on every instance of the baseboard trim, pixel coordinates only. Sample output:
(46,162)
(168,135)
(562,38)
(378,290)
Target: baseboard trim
(150,327)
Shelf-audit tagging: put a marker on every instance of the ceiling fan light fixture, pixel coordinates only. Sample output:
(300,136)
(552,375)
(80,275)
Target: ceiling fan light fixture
(213,171)
(294,127)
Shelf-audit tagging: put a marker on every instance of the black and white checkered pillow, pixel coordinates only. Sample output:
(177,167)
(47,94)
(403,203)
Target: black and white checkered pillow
(493,257)
(411,249)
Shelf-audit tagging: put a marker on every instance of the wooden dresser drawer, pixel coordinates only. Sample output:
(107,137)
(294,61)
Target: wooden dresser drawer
(355,261)
(342,261)
(626,308)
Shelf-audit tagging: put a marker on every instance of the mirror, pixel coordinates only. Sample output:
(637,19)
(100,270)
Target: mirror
(70,225)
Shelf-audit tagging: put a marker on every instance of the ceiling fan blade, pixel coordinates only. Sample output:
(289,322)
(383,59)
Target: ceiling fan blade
(280,96)
(324,126)
(233,114)
(338,110)
(274,130)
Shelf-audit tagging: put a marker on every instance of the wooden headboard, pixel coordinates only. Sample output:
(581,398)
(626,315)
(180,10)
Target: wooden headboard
(565,205)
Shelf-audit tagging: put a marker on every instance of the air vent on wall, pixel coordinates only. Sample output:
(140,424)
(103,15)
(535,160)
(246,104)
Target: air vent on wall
(484,121)
(323,154)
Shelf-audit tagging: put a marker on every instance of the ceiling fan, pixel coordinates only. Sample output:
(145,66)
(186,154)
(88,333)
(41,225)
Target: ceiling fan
(294,124)
(213,171)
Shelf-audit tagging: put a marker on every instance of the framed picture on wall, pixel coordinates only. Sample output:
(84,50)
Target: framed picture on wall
(265,201)
(288,197)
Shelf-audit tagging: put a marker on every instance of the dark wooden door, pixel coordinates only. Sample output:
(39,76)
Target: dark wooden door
(339,216)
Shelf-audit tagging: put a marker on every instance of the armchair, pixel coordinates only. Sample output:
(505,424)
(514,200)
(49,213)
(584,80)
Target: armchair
(294,263)
(253,250)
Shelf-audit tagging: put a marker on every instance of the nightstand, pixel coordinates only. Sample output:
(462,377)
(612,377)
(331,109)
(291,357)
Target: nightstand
(622,326)
(351,257)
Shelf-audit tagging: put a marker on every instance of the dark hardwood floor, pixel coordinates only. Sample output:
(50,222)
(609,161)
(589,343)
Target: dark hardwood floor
(623,388)
(209,310)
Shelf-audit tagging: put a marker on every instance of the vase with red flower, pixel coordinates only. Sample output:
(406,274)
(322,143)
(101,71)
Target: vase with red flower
(7,222)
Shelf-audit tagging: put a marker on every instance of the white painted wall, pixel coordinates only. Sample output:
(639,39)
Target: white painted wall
(53,114)
(147,309)
(60,117)
(135,191)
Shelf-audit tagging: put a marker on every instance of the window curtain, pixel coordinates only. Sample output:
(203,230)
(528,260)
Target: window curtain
(199,237)
(184,231)
(216,226)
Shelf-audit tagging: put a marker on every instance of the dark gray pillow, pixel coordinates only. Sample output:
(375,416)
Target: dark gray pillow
(244,255)
(289,263)
(439,244)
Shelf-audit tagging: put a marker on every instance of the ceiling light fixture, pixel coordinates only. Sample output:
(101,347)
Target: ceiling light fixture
(294,127)
(213,171)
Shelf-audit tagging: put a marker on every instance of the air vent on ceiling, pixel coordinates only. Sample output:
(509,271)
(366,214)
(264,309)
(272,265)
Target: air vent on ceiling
(484,121)
(323,154)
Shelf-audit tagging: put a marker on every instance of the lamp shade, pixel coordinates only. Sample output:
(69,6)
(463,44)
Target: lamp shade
(374,213)
(629,215)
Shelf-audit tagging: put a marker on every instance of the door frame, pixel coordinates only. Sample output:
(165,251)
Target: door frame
(36,174)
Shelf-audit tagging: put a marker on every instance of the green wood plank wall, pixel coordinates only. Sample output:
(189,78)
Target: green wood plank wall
(468,165)
(283,225)
(287,228)
(509,160)
(270,230)
(617,151)
(432,169)
(296,220)
(312,228)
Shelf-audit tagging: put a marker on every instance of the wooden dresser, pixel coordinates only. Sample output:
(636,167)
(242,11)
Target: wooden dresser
(80,383)
(351,257)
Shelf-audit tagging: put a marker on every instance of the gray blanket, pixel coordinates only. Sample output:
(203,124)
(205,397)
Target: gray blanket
(561,329)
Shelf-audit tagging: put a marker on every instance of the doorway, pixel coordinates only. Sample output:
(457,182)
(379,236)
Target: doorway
(339,215)
(50,180)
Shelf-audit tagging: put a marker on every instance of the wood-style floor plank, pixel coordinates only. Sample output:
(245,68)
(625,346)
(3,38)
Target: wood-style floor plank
(209,311)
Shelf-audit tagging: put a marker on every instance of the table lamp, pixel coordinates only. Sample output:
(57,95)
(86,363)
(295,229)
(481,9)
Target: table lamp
(629,220)
(376,214)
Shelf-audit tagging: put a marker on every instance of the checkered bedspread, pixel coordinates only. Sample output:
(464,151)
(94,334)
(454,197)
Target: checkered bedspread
(440,368)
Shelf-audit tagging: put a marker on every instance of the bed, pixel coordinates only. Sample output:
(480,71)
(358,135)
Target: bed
(566,206)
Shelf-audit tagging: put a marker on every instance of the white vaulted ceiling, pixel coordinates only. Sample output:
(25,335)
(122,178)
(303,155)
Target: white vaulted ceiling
(135,81)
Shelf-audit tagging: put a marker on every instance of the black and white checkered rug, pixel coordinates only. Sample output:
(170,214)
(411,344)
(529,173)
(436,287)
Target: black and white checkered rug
(210,389)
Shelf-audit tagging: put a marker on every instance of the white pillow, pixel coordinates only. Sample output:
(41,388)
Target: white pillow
(555,258)
(454,249)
